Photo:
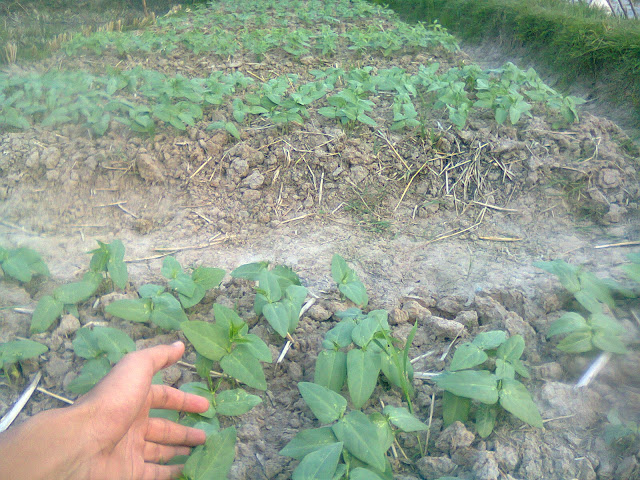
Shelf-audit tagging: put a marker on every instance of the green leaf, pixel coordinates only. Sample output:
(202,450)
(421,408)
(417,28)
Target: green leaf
(92,372)
(286,277)
(256,346)
(364,331)
(208,277)
(504,369)
(75,292)
(115,343)
(18,350)
(250,271)
(340,335)
(515,399)
(475,384)
(588,301)
(356,431)
(608,343)
(184,284)
(167,312)
(85,345)
(278,317)
(47,311)
(269,286)
(567,323)
(331,369)
(632,271)
(355,291)
(325,404)
(244,367)
(512,349)
(17,268)
(200,389)
(132,309)
(227,318)
(209,340)
(567,274)
(385,433)
(360,473)
(577,342)
(150,290)
(454,408)
(320,464)
(404,420)
(115,264)
(171,268)
(489,340)
(363,368)
(485,419)
(212,460)
(204,366)
(607,325)
(307,441)
(466,356)
(235,402)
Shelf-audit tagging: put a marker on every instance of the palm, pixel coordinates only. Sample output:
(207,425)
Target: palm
(129,444)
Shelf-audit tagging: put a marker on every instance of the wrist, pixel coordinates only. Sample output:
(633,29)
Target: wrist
(26,449)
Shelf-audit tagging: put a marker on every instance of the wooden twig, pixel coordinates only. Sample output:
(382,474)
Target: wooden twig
(296,218)
(433,401)
(27,311)
(500,239)
(204,164)
(495,207)
(53,395)
(17,227)
(212,373)
(621,244)
(8,419)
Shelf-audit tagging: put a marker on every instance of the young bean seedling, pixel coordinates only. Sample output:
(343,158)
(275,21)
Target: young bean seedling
(14,352)
(22,264)
(463,382)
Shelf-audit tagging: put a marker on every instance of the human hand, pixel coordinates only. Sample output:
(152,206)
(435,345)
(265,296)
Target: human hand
(108,434)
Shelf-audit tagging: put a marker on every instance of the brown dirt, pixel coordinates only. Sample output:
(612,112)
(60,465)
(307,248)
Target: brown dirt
(458,245)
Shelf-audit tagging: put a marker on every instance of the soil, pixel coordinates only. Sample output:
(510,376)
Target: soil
(441,227)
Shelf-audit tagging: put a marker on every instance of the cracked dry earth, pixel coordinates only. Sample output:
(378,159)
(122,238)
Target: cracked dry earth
(444,232)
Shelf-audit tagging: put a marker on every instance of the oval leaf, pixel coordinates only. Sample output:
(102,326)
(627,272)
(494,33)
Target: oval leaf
(319,465)
(244,367)
(132,309)
(475,384)
(466,356)
(331,369)
(209,340)
(47,311)
(325,404)
(235,402)
(356,431)
(307,441)
(515,399)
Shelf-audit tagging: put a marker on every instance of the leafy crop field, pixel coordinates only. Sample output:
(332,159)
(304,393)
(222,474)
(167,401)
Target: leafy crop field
(356,230)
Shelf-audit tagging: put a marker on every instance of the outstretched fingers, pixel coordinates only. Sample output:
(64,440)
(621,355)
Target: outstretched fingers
(169,398)
(155,453)
(153,471)
(166,432)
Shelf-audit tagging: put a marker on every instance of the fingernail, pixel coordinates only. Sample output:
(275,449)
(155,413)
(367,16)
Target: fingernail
(177,344)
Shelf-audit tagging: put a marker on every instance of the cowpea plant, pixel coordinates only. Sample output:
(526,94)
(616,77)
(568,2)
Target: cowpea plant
(598,330)
(14,352)
(102,347)
(279,295)
(22,263)
(239,353)
(192,288)
(154,305)
(106,262)
(463,382)
(348,282)
(360,440)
